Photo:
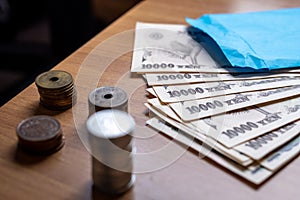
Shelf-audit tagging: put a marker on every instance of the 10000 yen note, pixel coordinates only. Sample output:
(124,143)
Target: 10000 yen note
(254,173)
(182,78)
(167,48)
(230,153)
(197,109)
(239,126)
(259,147)
(166,110)
(170,48)
(175,93)
(283,155)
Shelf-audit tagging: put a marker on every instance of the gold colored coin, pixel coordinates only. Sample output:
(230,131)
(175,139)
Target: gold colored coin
(54,79)
(56,89)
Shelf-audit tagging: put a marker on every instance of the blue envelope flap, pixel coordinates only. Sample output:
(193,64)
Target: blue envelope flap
(260,40)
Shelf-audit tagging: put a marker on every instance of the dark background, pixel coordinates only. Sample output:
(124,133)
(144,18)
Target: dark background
(35,35)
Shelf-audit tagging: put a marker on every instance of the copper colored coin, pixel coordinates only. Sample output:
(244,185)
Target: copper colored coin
(40,134)
(38,128)
(54,79)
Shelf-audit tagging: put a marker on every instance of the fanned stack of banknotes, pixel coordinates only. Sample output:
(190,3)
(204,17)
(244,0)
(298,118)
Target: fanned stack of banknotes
(245,120)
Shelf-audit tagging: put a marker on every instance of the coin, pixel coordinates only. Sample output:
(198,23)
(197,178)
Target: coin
(54,79)
(109,180)
(40,134)
(111,127)
(56,89)
(112,150)
(107,97)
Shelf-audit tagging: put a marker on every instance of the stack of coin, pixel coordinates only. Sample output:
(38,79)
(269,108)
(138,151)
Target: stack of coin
(112,150)
(40,135)
(56,89)
(107,98)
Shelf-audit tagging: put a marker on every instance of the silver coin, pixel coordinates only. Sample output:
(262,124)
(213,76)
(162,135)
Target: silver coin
(107,98)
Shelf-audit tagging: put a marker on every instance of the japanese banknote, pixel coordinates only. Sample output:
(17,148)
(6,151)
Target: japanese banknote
(245,120)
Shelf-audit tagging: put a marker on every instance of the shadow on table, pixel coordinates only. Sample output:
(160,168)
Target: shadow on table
(97,195)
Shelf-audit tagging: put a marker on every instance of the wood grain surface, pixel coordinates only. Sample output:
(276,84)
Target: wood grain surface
(164,169)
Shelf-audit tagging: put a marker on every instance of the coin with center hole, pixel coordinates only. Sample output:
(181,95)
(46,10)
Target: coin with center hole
(57,90)
(107,97)
(54,79)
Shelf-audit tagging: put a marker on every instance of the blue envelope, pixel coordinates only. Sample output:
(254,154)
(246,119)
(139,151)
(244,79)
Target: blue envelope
(260,40)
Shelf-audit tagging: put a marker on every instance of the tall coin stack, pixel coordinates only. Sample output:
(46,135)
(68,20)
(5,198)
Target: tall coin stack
(56,89)
(111,147)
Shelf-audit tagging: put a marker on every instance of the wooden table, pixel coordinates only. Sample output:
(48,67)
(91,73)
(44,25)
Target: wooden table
(106,60)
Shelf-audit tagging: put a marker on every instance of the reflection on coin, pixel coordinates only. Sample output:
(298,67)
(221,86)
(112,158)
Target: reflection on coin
(111,127)
(40,134)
